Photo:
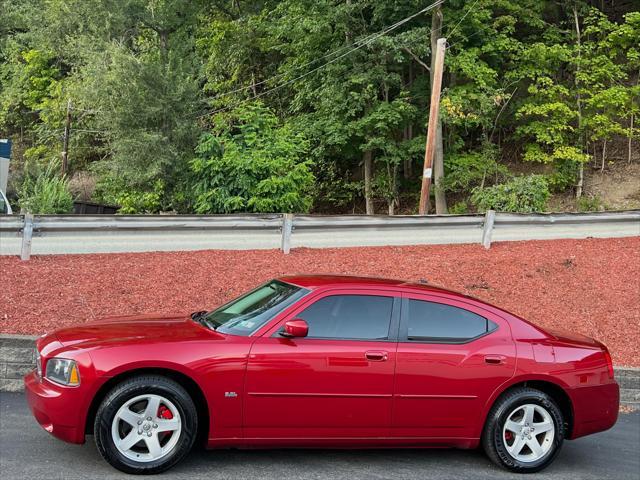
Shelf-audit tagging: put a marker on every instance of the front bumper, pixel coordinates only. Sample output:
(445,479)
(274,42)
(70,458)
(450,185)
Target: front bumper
(55,408)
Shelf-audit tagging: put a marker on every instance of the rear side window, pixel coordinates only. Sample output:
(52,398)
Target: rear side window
(360,317)
(437,322)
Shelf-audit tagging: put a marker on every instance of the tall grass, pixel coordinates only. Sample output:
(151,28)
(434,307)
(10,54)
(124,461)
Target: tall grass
(45,192)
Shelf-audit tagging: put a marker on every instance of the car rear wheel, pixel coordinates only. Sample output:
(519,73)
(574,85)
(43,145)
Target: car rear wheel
(524,430)
(145,425)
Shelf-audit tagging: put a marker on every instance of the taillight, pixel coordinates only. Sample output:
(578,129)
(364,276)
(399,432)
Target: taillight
(607,356)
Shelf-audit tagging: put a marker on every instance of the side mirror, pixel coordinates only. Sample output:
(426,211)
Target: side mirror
(295,328)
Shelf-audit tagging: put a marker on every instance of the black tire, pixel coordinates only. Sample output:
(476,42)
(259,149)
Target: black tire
(492,437)
(129,389)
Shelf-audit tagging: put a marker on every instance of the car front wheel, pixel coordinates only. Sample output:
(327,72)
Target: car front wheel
(145,425)
(524,431)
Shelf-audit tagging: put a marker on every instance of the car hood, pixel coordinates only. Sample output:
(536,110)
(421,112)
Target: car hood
(141,328)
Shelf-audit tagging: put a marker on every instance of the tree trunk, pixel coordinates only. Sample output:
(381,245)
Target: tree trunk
(408,131)
(630,139)
(604,151)
(438,157)
(578,99)
(580,180)
(367,160)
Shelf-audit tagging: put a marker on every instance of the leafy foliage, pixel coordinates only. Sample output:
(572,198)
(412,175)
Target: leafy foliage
(590,204)
(251,162)
(155,82)
(45,193)
(520,194)
(468,170)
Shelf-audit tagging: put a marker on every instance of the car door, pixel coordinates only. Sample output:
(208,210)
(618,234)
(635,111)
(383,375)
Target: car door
(335,383)
(451,357)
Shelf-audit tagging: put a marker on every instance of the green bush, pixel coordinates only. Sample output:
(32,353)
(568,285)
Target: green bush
(114,191)
(590,204)
(521,194)
(459,208)
(252,163)
(466,170)
(45,193)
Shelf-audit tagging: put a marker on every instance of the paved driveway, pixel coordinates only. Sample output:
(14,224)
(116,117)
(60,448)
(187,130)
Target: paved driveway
(28,452)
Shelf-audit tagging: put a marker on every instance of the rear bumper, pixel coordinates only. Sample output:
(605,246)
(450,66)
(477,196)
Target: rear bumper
(595,408)
(55,408)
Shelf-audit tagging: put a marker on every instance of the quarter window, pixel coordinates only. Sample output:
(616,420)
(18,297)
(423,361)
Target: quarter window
(362,317)
(437,322)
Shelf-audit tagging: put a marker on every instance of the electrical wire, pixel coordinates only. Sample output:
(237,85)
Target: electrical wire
(463,17)
(368,41)
(358,43)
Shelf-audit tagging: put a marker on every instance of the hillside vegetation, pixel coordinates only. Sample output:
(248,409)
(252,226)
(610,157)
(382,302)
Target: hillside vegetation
(298,105)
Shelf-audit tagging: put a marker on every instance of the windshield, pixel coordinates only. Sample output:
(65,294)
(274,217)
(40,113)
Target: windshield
(249,312)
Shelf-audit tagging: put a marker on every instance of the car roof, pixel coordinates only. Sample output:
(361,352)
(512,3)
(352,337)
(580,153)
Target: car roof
(313,282)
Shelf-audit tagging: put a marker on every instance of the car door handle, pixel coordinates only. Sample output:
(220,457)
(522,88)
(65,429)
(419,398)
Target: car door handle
(495,359)
(376,355)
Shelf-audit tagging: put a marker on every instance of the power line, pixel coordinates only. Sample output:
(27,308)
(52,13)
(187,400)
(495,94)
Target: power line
(358,44)
(479,30)
(363,43)
(463,17)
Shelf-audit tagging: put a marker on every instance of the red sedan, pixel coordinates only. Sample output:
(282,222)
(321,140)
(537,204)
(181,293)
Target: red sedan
(323,361)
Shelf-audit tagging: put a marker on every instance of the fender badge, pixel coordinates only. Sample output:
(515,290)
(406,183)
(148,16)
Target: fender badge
(230,394)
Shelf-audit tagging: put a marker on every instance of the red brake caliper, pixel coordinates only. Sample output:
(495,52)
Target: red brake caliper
(164,413)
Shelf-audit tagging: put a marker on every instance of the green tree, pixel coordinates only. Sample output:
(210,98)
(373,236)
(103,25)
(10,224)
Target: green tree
(252,162)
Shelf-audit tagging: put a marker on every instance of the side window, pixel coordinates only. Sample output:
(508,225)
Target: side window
(361,317)
(437,322)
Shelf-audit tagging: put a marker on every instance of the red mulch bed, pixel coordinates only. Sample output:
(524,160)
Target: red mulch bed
(590,286)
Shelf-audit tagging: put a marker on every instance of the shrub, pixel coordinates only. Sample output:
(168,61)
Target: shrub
(590,204)
(466,170)
(45,193)
(252,163)
(459,208)
(113,190)
(521,194)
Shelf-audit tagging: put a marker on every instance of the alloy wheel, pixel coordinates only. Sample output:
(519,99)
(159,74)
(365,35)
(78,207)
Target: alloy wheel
(146,428)
(528,433)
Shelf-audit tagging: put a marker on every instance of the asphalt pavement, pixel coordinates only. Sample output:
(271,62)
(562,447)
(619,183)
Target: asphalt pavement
(28,452)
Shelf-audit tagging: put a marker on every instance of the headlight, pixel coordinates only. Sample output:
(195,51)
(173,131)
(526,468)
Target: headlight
(38,364)
(63,371)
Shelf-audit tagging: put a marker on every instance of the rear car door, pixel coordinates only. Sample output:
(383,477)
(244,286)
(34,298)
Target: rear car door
(451,357)
(335,383)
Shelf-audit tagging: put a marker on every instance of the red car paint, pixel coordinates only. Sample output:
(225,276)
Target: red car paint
(319,392)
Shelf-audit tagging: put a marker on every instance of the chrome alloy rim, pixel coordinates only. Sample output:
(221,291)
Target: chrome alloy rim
(528,433)
(143,431)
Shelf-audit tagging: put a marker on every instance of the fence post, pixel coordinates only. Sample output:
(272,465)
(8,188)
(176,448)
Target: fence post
(27,233)
(487,229)
(287,227)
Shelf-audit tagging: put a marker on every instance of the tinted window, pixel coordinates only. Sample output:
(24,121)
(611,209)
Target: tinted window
(436,321)
(349,316)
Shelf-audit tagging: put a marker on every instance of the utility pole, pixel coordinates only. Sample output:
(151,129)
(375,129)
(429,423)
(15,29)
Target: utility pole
(434,113)
(65,140)
(438,156)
